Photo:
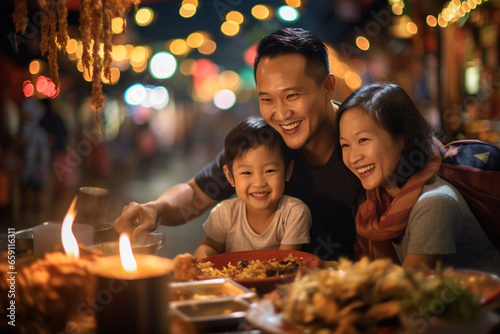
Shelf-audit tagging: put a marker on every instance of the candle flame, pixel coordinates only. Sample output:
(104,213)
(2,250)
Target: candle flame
(126,255)
(68,239)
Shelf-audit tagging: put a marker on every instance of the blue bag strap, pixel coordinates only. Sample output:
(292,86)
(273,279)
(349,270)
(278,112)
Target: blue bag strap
(472,153)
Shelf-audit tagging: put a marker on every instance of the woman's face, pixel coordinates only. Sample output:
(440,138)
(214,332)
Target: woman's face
(369,151)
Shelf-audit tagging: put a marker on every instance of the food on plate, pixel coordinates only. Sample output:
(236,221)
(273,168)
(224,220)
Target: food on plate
(252,269)
(354,298)
(364,296)
(184,267)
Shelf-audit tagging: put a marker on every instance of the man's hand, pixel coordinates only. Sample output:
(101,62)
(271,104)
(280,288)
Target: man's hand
(135,220)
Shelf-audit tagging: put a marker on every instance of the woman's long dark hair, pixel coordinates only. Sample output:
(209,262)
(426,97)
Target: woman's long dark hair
(391,107)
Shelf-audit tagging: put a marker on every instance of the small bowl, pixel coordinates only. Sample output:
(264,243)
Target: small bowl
(105,233)
(206,314)
(149,244)
(213,289)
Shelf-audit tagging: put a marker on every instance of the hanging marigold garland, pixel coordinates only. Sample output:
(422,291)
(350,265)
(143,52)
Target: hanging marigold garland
(95,27)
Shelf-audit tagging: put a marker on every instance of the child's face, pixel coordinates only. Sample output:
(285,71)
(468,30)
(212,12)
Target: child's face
(369,151)
(259,177)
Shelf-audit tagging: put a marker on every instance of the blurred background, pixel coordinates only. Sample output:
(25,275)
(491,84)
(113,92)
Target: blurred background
(181,77)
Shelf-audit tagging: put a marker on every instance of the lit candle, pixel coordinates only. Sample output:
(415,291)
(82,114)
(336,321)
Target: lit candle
(49,237)
(132,292)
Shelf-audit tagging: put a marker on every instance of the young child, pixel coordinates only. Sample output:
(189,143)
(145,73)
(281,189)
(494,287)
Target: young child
(261,217)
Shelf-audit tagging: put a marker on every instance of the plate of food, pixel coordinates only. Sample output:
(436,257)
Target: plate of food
(262,270)
(374,296)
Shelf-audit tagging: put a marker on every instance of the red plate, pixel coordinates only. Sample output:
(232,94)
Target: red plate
(262,285)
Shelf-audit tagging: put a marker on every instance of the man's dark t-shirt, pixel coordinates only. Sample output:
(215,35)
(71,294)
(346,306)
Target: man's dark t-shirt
(328,191)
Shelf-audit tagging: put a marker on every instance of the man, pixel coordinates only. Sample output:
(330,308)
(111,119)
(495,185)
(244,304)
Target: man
(295,90)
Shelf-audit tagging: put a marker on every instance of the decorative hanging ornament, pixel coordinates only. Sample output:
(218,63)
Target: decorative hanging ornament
(95,28)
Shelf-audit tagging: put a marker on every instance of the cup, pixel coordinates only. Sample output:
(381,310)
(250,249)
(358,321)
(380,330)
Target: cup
(92,206)
(47,237)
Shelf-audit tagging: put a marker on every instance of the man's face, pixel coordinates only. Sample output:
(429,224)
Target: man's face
(290,101)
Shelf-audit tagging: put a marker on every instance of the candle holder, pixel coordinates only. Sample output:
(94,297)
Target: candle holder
(47,237)
(133,302)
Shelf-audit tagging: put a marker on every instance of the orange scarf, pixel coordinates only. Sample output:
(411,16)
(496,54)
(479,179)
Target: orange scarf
(381,219)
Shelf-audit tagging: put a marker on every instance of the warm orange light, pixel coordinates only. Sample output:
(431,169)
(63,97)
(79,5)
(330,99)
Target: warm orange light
(261,12)
(362,43)
(178,46)
(126,255)
(117,25)
(230,28)
(144,16)
(208,47)
(195,40)
(187,10)
(34,67)
(68,239)
(235,16)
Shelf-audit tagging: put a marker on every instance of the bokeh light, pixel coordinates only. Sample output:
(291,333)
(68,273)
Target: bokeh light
(158,97)
(186,67)
(362,43)
(163,65)
(135,94)
(144,16)
(261,12)
(229,80)
(353,80)
(115,76)
(224,99)
(117,24)
(208,47)
(28,88)
(34,67)
(119,52)
(41,84)
(178,47)
(250,54)
(288,14)
(187,10)
(138,56)
(235,16)
(431,21)
(294,3)
(195,40)
(230,28)
(72,46)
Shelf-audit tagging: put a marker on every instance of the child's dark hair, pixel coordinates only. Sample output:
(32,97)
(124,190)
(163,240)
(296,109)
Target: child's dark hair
(251,133)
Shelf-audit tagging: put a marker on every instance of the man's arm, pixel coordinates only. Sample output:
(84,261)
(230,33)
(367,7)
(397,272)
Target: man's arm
(176,206)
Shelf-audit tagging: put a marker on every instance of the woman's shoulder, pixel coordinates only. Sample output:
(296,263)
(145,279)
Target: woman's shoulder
(439,187)
(441,195)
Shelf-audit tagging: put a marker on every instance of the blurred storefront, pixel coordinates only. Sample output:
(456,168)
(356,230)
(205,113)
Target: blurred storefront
(459,42)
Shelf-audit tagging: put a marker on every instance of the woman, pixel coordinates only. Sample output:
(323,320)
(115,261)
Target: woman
(409,213)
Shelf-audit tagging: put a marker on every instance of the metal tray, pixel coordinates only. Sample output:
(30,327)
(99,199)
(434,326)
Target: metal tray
(213,289)
(219,313)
